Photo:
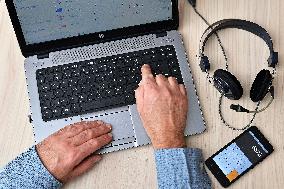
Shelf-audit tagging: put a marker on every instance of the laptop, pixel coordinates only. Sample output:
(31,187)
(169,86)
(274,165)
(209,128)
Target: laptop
(83,61)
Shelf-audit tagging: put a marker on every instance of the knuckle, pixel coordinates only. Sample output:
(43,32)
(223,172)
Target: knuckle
(148,80)
(160,77)
(92,133)
(151,89)
(84,133)
(167,93)
(152,95)
(68,143)
(95,142)
(99,130)
(71,156)
(88,134)
(74,129)
(173,79)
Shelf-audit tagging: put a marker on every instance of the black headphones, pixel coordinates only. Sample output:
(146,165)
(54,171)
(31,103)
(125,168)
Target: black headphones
(225,82)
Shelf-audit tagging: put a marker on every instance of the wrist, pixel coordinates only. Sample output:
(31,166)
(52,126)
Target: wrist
(169,143)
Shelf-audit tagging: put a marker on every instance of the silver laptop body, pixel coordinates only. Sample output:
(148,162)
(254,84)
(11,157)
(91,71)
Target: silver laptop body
(128,131)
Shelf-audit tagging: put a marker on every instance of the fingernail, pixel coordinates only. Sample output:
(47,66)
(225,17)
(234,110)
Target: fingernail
(109,126)
(145,65)
(110,134)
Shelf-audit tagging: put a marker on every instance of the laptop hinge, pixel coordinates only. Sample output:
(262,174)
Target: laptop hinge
(42,56)
(161,34)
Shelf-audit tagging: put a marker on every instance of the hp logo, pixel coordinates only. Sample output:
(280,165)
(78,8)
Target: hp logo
(101,36)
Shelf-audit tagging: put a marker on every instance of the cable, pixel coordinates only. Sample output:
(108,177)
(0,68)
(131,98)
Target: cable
(239,108)
(218,38)
(228,125)
(263,109)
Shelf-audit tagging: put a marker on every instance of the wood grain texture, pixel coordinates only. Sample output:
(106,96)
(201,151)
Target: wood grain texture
(135,168)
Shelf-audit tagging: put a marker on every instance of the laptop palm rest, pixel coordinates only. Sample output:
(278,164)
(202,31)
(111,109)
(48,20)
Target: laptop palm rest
(122,129)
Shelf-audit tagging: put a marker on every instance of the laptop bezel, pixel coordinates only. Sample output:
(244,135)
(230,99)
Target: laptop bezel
(94,38)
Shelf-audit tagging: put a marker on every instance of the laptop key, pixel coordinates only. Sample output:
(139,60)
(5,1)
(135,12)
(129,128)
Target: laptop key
(100,84)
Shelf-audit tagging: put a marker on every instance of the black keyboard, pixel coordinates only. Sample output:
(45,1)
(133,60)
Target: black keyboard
(99,84)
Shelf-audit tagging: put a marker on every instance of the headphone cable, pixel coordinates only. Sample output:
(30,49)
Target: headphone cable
(231,127)
(239,108)
(218,37)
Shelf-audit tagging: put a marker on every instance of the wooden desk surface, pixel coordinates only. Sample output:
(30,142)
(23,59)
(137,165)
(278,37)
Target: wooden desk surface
(135,168)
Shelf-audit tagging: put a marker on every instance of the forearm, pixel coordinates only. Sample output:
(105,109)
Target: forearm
(181,168)
(27,171)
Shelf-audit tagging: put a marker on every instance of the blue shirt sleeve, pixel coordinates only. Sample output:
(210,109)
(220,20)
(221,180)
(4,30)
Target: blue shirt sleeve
(27,171)
(181,168)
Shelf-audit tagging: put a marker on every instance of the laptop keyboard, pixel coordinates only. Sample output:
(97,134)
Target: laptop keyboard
(99,84)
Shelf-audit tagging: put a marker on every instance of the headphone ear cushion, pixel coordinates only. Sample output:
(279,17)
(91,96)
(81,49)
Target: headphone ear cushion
(261,85)
(228,80)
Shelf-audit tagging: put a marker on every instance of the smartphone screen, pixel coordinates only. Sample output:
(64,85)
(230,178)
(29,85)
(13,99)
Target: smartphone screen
(239,156)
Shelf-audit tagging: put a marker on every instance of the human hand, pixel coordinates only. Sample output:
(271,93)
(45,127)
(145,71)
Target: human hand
(68,153)
(162,104)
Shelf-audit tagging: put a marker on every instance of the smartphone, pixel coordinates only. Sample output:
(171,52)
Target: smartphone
(239,156)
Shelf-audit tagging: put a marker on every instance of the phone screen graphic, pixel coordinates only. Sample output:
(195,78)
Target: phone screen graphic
(239,156)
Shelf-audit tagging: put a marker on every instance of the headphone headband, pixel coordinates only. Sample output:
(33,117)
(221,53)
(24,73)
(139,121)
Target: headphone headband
(239,24)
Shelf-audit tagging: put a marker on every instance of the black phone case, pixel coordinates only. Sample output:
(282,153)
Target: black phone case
(216,171)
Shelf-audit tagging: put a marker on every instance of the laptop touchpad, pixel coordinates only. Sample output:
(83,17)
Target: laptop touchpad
(119,118)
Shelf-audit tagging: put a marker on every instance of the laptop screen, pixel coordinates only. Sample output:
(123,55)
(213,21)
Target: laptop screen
(49,20)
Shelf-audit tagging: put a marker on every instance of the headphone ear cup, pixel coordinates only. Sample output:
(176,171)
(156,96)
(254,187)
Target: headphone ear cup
(261,85)
(227,83)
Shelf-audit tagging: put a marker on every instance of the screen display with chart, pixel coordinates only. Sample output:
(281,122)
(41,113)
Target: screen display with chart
(245,152)
(48,20)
